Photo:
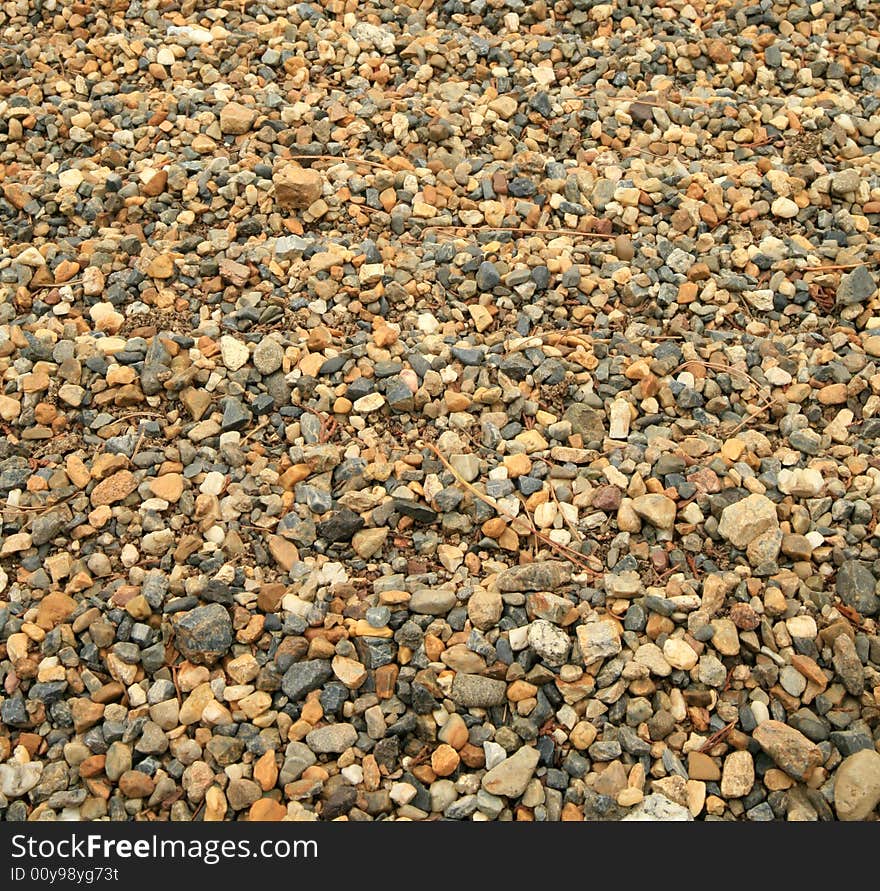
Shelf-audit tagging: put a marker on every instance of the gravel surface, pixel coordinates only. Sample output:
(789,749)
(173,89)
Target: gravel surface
(450,410)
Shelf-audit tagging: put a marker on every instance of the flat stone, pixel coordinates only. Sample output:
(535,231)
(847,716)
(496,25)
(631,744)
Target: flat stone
(334,738)
(789,748)
(511,776)
(856,587)
(658,808)
(115,488)
(475,691)
(433,601)
(658,510)
(856,287)
(546,576)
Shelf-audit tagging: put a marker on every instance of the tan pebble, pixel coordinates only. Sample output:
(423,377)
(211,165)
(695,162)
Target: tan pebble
(630,796)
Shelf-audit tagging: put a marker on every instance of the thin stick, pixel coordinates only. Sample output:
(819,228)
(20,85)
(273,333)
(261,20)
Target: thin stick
(137,445)
(523,230)
(722,367)
(256,429)
(340,159)
(832,268)
(73,281)
(569,553)
(717,737)
(571,527)
(198,810)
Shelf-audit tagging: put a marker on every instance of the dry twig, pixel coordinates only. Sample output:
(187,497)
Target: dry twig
(523,230)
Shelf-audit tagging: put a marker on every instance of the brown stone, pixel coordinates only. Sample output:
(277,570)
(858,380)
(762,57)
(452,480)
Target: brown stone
(161,266)
(114,488)
(85,713)
(283,551)
(472,756)
(134,784)
(92,766)
(702,767)
(153,183)
(444,760)
(270,597)
(236,118)
(297,187)
(267,810)
(168,487)
(810,670)
(266,770)
(386,681)
(53,609)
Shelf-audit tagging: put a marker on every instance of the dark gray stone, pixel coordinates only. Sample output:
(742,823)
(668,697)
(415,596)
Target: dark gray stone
(204,634)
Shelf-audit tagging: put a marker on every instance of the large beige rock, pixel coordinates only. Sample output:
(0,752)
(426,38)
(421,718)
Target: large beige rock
(857,786)
(745,520)
(236,118)
(297,187)
(789,748)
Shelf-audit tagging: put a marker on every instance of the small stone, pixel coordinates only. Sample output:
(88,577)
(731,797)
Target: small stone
(16,779)
(234,353)
(115,488)
(856,287)
(547,576)
(445,760)
(658,808)
(370,403)
(268,356)
(236,119)
(856,587)
(785,208)
(598,641)
(484,609)
(168,487)
(679,654)
(303,677)
(134,784)
(475,691)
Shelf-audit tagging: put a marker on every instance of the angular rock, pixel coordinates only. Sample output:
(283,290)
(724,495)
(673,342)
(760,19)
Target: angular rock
(745,520)
(789,748)
(511,776)
(204,633)
(546,576)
